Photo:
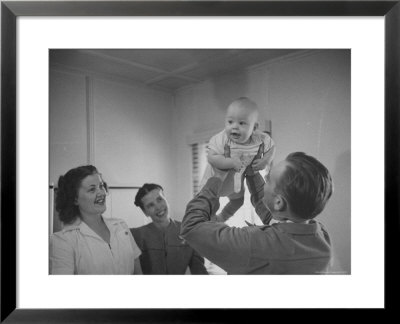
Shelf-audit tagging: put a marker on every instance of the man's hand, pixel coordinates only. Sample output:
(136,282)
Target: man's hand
(259,164)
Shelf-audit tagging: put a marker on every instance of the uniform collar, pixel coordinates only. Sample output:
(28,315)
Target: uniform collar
(298,228)
(171,223)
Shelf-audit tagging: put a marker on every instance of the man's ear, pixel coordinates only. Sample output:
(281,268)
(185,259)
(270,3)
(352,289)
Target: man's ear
(280,203)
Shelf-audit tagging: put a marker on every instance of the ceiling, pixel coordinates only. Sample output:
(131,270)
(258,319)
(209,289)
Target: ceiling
(162,69)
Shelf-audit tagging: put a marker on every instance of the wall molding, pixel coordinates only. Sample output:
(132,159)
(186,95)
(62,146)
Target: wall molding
(57,67)
(285,59)
(90,120)
(127,82)
(164,73)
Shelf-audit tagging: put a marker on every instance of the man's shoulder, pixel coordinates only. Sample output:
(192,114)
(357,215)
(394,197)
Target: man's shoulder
(259,228)
(264,231)
(323,229)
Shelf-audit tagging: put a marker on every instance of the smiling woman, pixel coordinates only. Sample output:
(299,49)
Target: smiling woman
(89,243)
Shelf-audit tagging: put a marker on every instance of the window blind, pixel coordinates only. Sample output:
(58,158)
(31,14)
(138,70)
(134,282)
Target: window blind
(199,160)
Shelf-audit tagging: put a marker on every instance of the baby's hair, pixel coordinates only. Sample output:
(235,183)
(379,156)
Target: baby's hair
(246,103)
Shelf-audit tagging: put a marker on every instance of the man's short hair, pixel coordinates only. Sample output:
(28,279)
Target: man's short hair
(306,185)
(143,191)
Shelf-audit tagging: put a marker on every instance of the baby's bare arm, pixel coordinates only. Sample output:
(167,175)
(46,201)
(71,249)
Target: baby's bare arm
(223,163)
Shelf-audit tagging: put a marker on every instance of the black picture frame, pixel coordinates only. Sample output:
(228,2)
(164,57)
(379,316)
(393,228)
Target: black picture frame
(11,10)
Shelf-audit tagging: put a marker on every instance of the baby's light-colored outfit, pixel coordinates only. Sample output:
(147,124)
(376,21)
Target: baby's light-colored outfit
(233,184)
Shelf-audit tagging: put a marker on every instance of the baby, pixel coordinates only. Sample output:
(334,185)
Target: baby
(233,149)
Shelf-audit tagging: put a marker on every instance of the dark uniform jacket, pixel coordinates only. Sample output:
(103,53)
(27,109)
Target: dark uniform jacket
(165,252)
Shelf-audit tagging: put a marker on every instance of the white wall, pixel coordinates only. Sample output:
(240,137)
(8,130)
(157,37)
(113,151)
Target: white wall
(68,131)
(129,130)
(133,142)
(308,100)
(309,103)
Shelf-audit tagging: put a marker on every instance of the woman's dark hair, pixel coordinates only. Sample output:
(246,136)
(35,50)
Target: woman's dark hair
(306,184)
(143,191)
(68,186)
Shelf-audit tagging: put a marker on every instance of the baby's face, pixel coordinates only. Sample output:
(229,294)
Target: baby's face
(240,122)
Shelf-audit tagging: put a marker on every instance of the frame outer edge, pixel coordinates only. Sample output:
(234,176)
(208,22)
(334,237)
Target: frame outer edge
(202,8)
(10,314)
(8,161)
(392,148)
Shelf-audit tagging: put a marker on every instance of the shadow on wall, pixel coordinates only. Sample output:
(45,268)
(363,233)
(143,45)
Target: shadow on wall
(228,88)
(338,220)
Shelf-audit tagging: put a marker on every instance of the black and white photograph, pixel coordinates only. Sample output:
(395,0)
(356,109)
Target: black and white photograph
(187,161)
(200,161)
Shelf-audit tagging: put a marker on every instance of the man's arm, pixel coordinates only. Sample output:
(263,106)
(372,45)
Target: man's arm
(227,247)
(265,161)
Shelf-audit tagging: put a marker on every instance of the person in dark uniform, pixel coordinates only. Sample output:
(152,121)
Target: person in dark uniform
(164,251)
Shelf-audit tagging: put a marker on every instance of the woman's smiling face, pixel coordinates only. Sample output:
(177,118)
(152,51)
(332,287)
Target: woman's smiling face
(91,198)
